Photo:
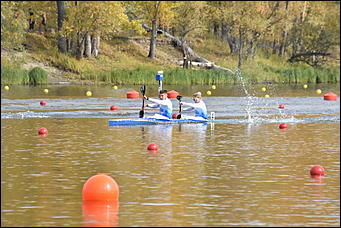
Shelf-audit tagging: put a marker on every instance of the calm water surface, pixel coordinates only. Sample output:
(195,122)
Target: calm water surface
(244,173)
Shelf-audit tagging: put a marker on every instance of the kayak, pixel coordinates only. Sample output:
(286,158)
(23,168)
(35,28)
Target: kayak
(155,121)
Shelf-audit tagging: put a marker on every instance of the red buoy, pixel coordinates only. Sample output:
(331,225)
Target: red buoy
(281,106)
(132,94)
(100,187)
(42,103)
(317,170)
(152,147)
(175,115)
(283,126)
(42,131)
(172,94)
(113,107)
(330,96)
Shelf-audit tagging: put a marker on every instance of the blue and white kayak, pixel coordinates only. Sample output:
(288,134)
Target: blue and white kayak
(155,121)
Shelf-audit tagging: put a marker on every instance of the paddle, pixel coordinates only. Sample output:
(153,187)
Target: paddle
(179,99)
(143,91)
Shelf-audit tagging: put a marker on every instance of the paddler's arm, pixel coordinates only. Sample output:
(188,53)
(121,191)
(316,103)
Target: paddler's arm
(155,105)
(190,108)
(157,101)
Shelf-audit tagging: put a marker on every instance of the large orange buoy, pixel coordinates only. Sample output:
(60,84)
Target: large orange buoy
(317,170)
(100,213)
(172,94)
(100,187)
(132,94)
(330,96)
(42,102)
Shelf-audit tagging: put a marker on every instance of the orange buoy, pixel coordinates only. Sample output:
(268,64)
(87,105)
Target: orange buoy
(172,94)
(330,96)
(281,106)
(132,94)
(100,213)
(317,170)
(283,126)
(152,147)
(100,187)
(42,103)
(175,115)
(113,107)
(43,131)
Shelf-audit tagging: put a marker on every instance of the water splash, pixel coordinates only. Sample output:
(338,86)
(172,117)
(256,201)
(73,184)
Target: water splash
(250,99)
(261,109)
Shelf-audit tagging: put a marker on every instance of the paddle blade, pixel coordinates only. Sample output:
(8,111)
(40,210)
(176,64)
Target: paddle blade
(141,114)
(178,116)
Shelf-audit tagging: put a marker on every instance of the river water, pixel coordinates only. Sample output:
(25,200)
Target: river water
(244,173)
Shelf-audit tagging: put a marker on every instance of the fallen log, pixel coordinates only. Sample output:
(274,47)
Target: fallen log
(182,44)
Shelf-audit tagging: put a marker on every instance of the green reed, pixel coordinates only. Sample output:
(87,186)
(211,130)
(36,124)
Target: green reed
(37,76)
(171,76)
(13,75)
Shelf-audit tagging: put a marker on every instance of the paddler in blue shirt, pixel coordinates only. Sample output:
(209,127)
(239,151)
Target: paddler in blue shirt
(199,106)
(165,105)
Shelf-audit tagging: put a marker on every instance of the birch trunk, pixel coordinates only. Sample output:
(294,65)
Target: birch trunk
(87,51)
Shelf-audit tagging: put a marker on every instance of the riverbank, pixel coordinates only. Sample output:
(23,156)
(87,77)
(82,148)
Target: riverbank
(124,61)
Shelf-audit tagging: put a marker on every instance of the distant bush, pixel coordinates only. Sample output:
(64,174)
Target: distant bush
(37,76)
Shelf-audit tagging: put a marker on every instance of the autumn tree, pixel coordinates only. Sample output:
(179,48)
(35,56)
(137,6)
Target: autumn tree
(87,21)
(13,24)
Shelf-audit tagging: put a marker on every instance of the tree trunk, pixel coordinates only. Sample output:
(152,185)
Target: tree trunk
(216,29)
(285,34)
(87,51)
(31,21)
(95,45)
(226,36)
(224,31)
(274,46)
(154,31)
(80,48)
(69,45)
(240,53)
(62,46)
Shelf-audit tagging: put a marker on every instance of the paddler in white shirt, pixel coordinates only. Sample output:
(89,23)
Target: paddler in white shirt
(165,105)
(198,106)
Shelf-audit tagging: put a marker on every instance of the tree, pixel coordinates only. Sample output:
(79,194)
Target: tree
(154,29)
(87,21)
(61,16)
(155,13)
(13,24)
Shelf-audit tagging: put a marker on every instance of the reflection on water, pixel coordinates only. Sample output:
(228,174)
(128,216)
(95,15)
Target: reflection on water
(222,174)
(100,213)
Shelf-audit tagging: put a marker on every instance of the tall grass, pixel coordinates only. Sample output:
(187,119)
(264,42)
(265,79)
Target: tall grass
(37,76)
(13,75)
(176,76)
(303,74)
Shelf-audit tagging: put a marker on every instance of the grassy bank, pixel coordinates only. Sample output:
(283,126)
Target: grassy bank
(13,74)
(122,62)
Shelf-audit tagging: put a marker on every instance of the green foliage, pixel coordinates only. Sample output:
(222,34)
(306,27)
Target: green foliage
(37,76)
(13,25)
(304,74)
(13,75)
